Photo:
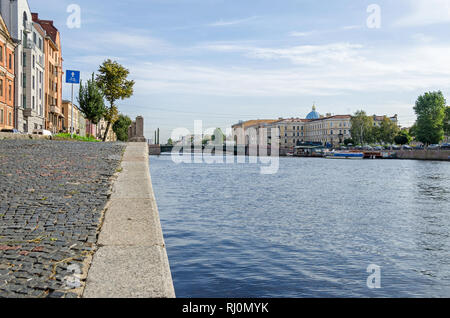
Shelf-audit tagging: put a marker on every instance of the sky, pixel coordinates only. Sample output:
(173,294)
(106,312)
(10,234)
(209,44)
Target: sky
(221,61)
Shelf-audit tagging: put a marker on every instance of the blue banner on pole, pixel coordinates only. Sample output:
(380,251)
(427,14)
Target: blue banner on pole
(73,77)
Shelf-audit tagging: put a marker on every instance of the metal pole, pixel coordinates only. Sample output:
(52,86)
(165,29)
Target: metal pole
(71,116)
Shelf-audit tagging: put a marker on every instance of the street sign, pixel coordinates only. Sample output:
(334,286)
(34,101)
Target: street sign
(73,77)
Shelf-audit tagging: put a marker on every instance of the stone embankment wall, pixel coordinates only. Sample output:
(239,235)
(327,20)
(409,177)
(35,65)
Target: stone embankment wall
(423,154)
(131,260)
(8,136)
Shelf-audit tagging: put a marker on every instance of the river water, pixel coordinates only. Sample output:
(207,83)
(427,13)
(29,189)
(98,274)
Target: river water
(310,230)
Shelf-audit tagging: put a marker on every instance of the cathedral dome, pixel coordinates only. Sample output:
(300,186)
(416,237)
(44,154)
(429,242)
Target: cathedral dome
(313,114)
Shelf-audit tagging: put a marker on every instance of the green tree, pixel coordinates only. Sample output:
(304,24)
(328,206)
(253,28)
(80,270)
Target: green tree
(120,127)
(403,138)
(413,131)
(387,131)
(362,128)
(430,111)
(349,141)
(170,142)
(112,79)
(90,99)
(447,121)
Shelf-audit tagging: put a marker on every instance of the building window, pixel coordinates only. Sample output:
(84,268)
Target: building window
(1,116)
(10,119)
(24,59)
(1,53)
(34,85)
(24,100)
(10,61)
(1,87)
(10,92)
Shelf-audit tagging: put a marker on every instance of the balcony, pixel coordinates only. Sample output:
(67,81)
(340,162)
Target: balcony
(55,110)
(27,27)
(28,112)
(29,45)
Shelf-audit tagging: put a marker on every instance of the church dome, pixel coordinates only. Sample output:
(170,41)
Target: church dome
(313,114)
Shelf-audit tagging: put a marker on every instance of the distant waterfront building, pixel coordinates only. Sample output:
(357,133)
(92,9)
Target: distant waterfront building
(377,120)
(328,130)
(238,130)
(7,77)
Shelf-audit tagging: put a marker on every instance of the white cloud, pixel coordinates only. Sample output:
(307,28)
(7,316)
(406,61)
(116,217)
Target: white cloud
(133,42)
(301,34)
(304,54)
(223,23)
(426,12)
(319,70)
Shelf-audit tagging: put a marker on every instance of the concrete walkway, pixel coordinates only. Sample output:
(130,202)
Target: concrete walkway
(131,260)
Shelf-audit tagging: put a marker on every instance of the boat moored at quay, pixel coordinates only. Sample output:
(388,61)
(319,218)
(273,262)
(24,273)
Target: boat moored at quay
(344,155)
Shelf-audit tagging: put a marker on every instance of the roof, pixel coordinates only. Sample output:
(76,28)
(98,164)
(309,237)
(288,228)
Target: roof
(4,30)
(334,117)
(294,120)
(254,122)
(48,26)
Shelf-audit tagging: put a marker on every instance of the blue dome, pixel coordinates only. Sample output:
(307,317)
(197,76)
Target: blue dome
(313,114)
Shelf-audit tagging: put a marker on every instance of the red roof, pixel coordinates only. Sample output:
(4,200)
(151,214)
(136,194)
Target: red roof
(47,25)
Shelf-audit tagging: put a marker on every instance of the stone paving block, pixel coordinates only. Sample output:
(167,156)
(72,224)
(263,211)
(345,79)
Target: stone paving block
(51,198)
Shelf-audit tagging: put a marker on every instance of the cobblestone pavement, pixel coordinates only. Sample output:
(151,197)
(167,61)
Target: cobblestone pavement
(52,195)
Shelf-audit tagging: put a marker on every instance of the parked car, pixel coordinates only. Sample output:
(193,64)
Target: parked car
(435,146)
(42,132)
(378,148)
(406,147)
(445,146)
(10,131)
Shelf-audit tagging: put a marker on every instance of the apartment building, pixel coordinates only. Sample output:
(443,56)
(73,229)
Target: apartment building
(101,129)
(17,17)
(54,118)
(7,77)
(79,121)
(238,130)
(329,130)
(33,79)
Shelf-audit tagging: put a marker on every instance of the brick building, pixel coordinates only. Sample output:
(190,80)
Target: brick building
(7,77)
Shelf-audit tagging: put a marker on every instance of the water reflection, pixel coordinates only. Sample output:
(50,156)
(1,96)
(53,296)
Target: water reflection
(311,230)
